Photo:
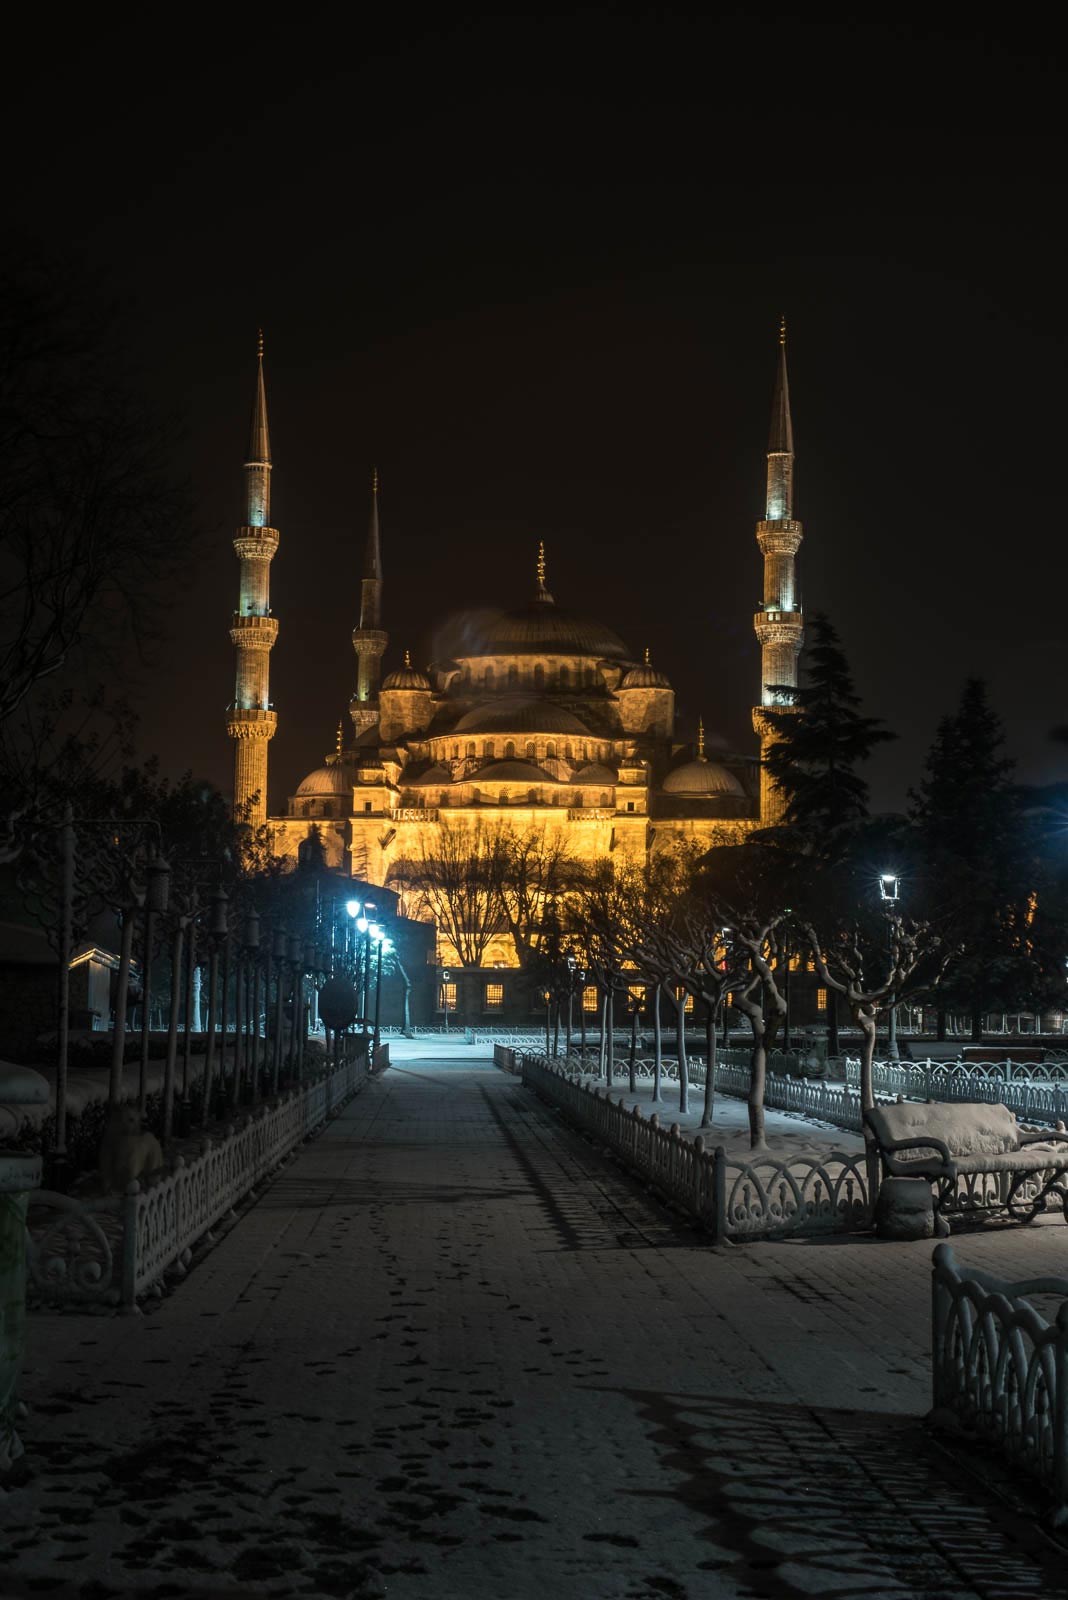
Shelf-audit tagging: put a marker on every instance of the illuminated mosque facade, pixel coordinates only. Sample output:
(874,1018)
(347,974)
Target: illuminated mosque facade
(542,718)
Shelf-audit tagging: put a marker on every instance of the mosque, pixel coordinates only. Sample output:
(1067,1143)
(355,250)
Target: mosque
(543,718)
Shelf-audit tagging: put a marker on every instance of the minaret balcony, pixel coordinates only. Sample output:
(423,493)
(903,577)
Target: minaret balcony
(253,633)
(780,538)
(251,723)
(256,544)
(779,627)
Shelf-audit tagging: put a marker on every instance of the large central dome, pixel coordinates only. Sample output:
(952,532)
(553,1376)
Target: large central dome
(543,628)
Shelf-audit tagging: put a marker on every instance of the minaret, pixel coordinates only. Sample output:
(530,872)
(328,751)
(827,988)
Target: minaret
(778,624)
(251,722)
(368,639)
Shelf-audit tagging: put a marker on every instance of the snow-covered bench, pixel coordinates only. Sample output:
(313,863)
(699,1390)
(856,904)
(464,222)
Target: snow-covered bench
(976,1156)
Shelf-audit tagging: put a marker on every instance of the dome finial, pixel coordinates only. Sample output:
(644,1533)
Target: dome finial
(700,738)
(648,663)
(339,745)
(782,330)
(374,480)
(407,658)
(541,563)
(259,344)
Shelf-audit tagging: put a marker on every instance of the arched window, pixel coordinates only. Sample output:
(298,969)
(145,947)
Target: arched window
(532,797)
(471,748)
(509,751)
(565,678)
(328,808)
(476,796)
(567,751)
(513,677)
(532,750)
(489,678)
(539,676)
(487,750)
(604,800)
(550,750)
(504,797)
(306,809)
(456,752)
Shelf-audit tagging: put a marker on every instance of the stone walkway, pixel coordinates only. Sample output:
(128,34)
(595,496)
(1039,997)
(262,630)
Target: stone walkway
(455,1353)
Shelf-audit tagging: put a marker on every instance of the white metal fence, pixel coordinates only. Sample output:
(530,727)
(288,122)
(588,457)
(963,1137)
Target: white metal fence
(731,1197)
(113,1250)
(1000,1368)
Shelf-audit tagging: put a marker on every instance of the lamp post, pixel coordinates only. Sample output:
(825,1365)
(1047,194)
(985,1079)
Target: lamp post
(889,891)
(446,978)
(571,966)
(580,979)
(384,945)
(294,952)
(279,945)
(217,932)
(157,898)
(635,1010)
(547,997)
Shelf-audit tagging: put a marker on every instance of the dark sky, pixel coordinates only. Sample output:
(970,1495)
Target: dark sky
(533,267)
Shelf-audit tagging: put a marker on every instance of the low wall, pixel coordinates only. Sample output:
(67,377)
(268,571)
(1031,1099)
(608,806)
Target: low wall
(733,1198)
(1000,1368)
(112,1251)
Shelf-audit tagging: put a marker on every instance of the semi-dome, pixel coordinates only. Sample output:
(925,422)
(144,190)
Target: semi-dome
(595,772)
(703,780)
(435,775)
(520,714)
(511,772)
(333,779)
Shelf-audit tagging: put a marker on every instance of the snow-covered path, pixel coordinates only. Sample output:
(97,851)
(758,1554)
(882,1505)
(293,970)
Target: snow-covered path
(455,1353)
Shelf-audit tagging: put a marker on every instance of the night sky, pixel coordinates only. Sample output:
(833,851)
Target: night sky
(532,267)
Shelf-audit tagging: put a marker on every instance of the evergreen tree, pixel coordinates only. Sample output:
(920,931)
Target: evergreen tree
(820,740)
(982,871)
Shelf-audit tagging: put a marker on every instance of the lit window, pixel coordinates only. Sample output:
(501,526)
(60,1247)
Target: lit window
(494,996)
(590,998)
(637,993)
(447,997)
(821,999)
(795,963)
(810,965)
(689,1000)
(367,805)
(630,805)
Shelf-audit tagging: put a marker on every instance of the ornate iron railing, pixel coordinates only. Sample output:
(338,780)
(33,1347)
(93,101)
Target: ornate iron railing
(1000,1368)
(114,1250)
(765,1197)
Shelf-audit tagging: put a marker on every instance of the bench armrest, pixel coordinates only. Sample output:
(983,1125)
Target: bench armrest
(1042,1137)
(928,1142)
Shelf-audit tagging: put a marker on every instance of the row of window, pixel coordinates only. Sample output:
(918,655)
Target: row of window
(583,751)
(493,998)
(561,677)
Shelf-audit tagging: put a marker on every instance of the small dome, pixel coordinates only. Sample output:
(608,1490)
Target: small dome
(703,780)
(645,677)
(594,772)
(406,677)
(333,779)
(519,714)
(511,772)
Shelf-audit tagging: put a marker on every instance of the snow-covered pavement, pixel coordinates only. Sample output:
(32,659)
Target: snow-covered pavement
(454,1352)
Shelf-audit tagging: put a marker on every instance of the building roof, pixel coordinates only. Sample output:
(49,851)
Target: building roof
(433,775)
(541,627)
(645,677)
(703,779)
(333,779)
(406,677)
(520,714)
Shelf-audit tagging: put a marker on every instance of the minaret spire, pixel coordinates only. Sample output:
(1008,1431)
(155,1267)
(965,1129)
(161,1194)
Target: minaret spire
(368,639)
(778,624)
(252,722)
(542,591)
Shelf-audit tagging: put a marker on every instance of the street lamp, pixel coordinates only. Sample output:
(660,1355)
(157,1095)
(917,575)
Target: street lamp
(446,979)
(580,979)
(571,968)
(889,892)
(385,946)
(547,997)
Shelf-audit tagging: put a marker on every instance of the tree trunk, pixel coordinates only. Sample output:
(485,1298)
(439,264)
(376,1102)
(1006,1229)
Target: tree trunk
(118,1043)
(710,1068)
(866,1023)
(633,1045)
(940,1023)
(834,1047)
(610,1048)
(755,1101)
(658,1045)
(602,1057)
(977,1025)
(684,1066)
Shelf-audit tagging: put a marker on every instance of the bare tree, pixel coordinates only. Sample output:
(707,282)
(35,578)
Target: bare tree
(532,869)
(456,878)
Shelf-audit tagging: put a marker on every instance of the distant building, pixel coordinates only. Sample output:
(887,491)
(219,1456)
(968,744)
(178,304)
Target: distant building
(541,717)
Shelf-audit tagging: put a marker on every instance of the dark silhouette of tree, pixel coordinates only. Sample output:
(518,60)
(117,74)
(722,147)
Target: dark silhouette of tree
(821,738)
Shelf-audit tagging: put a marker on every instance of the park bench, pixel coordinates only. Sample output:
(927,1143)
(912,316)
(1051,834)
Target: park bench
(975,1158)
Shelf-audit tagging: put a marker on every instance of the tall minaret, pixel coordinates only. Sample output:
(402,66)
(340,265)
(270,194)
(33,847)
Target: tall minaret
(368,639)
(778,624)
(251,722)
